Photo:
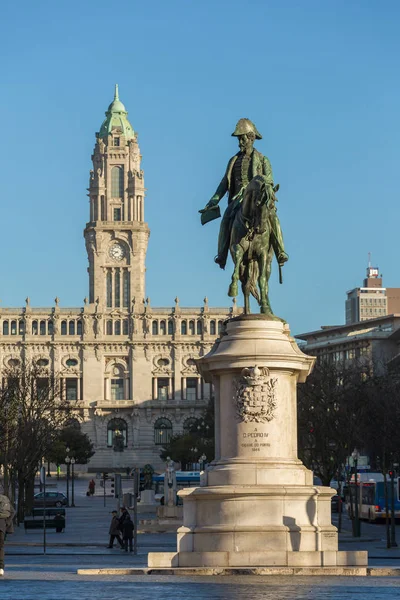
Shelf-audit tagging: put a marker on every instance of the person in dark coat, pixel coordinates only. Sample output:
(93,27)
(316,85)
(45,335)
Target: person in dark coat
(60,522)
(114,530)
(127,533)
(124,515)
(6,526)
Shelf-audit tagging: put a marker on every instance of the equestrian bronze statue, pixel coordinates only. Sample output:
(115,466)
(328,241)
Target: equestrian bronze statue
(250,227)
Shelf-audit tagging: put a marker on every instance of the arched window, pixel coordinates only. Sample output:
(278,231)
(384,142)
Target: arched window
(109,330)
(109,288)
(117,328)
(191,327)
(170,327)
(117,286)
(79,327)
(42,328)
(126,288)
(13,327)
(199,327)
(162,431)
(63,327)
(5,328)
(183,328)
(220,324)
(117,182)
(34,327)
(154,328)
(163,328)
(125,327)
(212,328)
(21,327)
(71,328)
(50,327)
(117,434)
(190,425)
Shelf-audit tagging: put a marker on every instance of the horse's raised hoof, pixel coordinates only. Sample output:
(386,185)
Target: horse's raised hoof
(233,290)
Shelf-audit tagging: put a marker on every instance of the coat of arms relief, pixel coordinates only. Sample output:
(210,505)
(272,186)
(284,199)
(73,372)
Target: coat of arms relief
(255,395)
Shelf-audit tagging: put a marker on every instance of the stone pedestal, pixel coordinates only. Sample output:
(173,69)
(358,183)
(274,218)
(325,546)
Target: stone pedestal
(147,498)
(170,514)
(259,507)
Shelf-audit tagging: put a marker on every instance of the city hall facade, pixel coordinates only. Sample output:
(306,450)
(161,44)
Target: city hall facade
(128,367)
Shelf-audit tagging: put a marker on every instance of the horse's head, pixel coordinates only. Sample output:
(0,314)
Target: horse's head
(257,194)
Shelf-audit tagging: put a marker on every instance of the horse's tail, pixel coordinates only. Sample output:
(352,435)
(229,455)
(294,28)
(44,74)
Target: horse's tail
(252,279)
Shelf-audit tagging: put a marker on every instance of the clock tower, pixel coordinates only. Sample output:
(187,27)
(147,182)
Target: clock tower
(116,235)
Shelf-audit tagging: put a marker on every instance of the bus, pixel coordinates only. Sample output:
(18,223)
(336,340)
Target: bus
(184,479)
(371,497)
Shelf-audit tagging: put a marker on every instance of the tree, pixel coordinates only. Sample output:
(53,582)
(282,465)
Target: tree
(200,436)
(31,414)
(331,406)
(79,444)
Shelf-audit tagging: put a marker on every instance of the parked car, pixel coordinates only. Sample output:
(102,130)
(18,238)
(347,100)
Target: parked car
(52,499)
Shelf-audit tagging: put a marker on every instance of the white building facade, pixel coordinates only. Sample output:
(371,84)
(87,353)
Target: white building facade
(129,367)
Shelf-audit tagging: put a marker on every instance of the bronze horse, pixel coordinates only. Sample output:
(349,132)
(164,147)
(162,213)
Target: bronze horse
(251,244)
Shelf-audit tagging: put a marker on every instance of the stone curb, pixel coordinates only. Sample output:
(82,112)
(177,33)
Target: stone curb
(202,571)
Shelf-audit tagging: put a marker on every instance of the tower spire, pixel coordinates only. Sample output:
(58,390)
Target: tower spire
(116,97)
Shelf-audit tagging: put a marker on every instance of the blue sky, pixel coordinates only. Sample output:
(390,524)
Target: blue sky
(319,79)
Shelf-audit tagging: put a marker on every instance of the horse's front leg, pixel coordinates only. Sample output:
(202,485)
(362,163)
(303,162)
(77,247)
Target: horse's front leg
(246,295)
(264,272)
(237,257)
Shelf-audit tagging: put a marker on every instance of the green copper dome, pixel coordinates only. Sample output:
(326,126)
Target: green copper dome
(116,116)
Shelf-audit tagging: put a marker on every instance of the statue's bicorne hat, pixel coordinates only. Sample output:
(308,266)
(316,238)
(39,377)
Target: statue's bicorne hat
(246,126)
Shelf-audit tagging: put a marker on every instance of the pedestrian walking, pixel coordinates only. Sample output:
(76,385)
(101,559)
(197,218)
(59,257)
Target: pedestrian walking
(127,533)
(114,530)
(60,522)
(124,515)
(6,526)
(92,487)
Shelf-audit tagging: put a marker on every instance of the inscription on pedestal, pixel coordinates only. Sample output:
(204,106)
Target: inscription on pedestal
(255,395)
(255,440)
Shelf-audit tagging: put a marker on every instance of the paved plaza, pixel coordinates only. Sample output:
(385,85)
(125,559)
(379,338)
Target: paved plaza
(30,574)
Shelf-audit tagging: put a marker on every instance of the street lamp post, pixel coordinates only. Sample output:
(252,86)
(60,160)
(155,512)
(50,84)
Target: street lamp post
(203,459)
(72,482)
(67,462)
(194,454)
(356,521)
(393,542)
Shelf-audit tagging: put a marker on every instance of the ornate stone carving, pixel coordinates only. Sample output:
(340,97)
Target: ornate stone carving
(255,395)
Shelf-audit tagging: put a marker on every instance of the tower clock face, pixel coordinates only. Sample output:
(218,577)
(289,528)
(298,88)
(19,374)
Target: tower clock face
(116,252)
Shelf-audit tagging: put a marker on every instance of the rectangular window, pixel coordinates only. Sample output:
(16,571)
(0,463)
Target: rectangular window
(162,388)
(43,387)
(117,214)
(71,388)
(191,389)
(117,389)
(109,288)
(116,141)
(117,281)
(126,288)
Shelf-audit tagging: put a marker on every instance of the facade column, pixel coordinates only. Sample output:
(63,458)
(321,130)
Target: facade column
(126,388)
(184,387)
(199,388)
(170,389)
(154,388)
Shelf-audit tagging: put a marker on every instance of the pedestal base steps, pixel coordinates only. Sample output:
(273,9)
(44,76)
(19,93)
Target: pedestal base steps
(258,559)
